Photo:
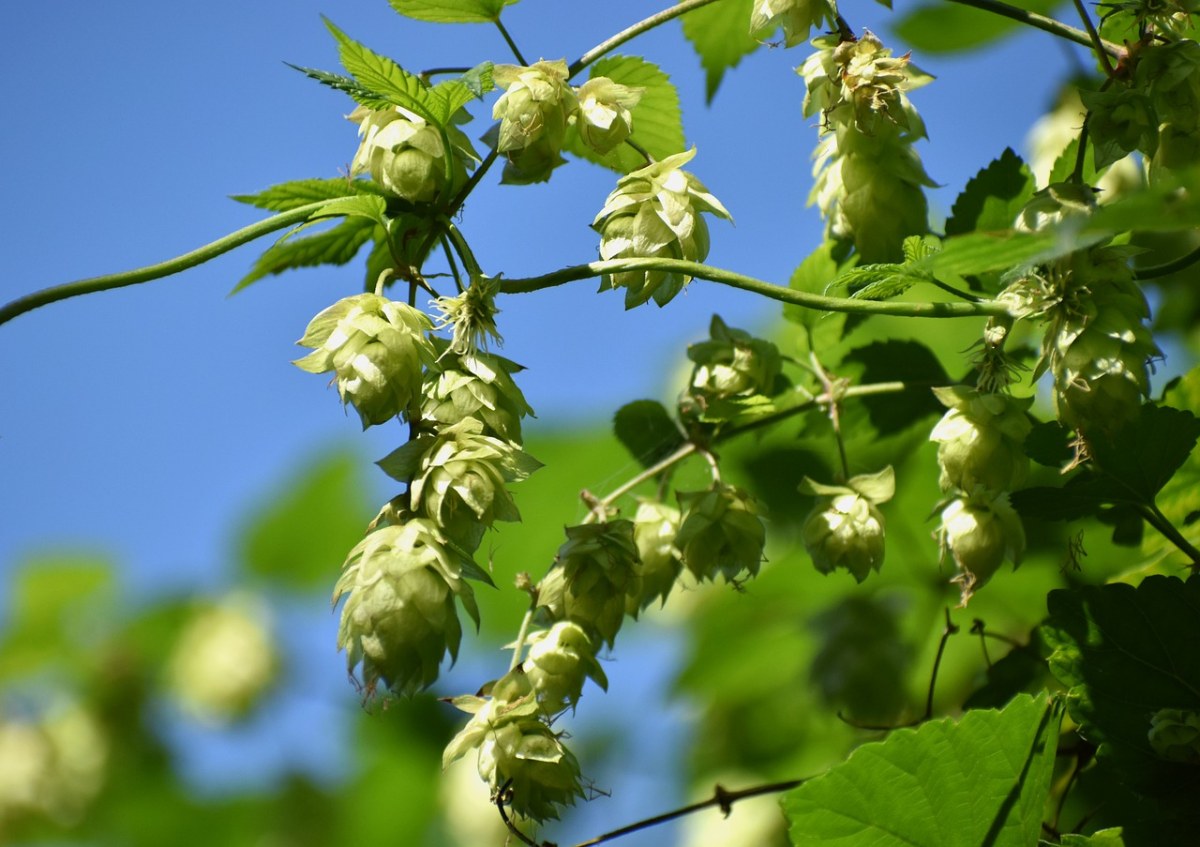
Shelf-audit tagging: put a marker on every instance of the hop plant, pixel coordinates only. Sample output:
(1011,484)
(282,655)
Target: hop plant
(399,619)
(1171,73)
(845,529)
(655,526)
(981,440)
(534,111)
(559,660)
(796,17)
(733,363)
(475,386)
(868,178)
(605,119)
(979,532)
(1175,735)
(376,348)
(721,533)
(458,478)
(471,316)
(655,212)
(594,571)
(407,157)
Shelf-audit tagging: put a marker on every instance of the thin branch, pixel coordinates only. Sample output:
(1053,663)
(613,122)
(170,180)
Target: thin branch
(512,827)
(1170,267)
(172,266)
(1097,42)
(782,293)
(637,29)
(1162,523)
(1043,23)
(649,473)
(832,391)
(512,45)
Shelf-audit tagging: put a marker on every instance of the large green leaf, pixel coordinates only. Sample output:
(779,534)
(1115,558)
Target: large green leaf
(948,28)
(720,33)
(900,361)
(452,11)
(336,246)
(814,276)
(647,430)
(1179,499)
(301,192)
(981,780)
(993,197)
(300,537)
(384,77)
(657,121)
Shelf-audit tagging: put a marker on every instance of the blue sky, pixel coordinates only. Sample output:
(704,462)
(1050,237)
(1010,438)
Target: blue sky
(143,422)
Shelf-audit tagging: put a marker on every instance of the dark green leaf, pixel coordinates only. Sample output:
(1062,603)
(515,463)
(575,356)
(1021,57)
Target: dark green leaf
(1103,838)
(301,192)
(903,361)
(1083,495)
(452,11)
(647,431)
(1179,499)
(1022,670)
(720,33)
(1149,452)
(336,246)
(300,537)
(992,198)
(862,659)
(941,28)
(982,780)
(657,121)
(814,276)
(1049,444)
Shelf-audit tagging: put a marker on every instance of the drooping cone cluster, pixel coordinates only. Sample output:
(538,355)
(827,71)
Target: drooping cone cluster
(845,529)
(407,157)
(605,113)
(559,661)
(979,531)
(376,348)
(534,111)
(655,526)
(981,440)
(868,177)
(656,212)
(733,363)
(797,17)
(477,386)
(721,534)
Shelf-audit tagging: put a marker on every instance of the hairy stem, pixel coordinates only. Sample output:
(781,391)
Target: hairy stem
(512,45)
(172,266)
(781,293)
(644,25)
(1163,524)
(1043,23)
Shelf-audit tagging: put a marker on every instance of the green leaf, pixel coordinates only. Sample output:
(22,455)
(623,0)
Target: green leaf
(647,431)
(1049,444)
(370,206)
(360,93)
(657,121)
(941,28)
(301,192)
(903,361)
(336,246)
(992,198)
(1022,669)
(982,780)
(452,11)
(1103,838)
(1179,499)
(720,34)
(452,94)
(300,536)
(814,276)
(384,77)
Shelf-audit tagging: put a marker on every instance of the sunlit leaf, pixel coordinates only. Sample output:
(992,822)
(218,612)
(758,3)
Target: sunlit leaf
(720,33)
(452,11)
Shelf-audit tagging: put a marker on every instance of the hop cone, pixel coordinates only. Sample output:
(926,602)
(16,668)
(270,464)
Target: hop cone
(733,363)
(981,440)
(476,386)
(533,114)
(721,533)
(604,113)
(845,528)
(559,661)
(980,532)
(594,571)
(406,157)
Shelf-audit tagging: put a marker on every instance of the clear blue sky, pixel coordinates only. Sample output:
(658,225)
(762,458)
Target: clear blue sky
(142,422)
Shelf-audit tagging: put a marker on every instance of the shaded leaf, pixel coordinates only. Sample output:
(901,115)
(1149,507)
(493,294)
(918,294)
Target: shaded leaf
(1021,670)
(647,431)
(903,361)
(862,659)
(336,246)
(982,780)
(720,34)
(1049,444)
(1179,499)
(814,276)
(941,28)
(992,198)
(452,11)
(1148,453)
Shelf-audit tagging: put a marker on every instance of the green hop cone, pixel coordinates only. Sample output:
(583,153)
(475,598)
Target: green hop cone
(981,440)
(558,662)
(980,532)
(399,619)
(376,348)
(533,112)
(540,773)
(655,212)
(845,529)
(594,571)
(604,119)
(721,533)
(1175,735)
(407,157)
(458,478)
(796,17)
(655,526)
(476,386)
(1120,121)
(733,363)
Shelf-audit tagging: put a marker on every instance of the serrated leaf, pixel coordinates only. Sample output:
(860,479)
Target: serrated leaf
(386,78)
(300,536)
(336,246)
(373,207)
(656,119)
(360,93)
(939,28)
(452,11)
(301,192)
(1150,451)
(647,430)
(1049,444)
(1179,499)
(903,361)
(992,198)
(720,34)
(982,780)
(814,275)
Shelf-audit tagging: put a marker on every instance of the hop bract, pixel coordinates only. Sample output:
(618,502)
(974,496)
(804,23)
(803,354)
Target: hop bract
(980,532)
(605,119)
(476,386)
(796,17)
(721,533)
(376,347)
(845,529)
(533,113)
(407,157)
(655,212)
(981,440)
(733,363)
(399,619)
(655,526)
(594,571)
(558,662)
